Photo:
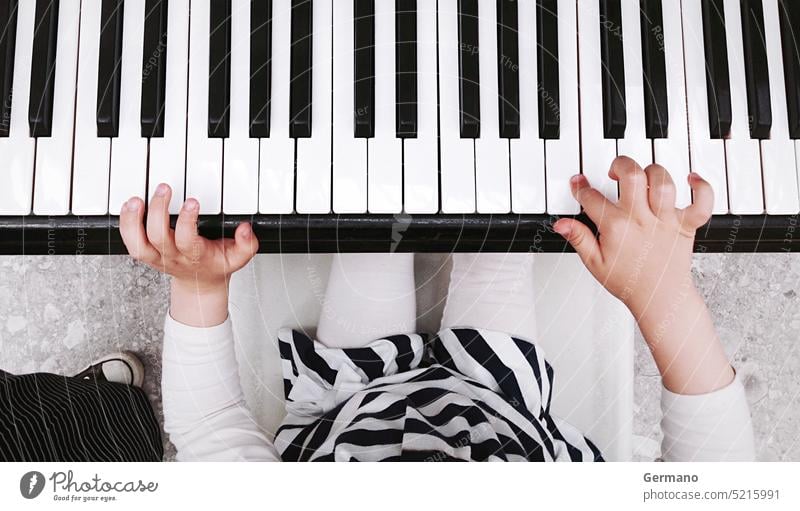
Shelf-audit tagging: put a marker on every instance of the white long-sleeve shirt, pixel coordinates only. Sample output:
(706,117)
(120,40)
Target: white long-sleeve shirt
(207,418)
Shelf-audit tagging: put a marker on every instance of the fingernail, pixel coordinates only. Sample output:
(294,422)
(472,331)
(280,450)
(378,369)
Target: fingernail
(161,190)
(191,205)
(132,205)
(245,231)
(562,229)
(577,178)
(693,175)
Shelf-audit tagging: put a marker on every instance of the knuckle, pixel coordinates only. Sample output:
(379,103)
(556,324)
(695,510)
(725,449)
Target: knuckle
(154,235)
(637,179)
(625,164)
(661,191)
(613,223)
(183,242)
(653,168)
(608,217)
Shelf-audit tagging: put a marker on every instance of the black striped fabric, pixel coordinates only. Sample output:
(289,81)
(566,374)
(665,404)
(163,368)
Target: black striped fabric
(46,417)
(467,395)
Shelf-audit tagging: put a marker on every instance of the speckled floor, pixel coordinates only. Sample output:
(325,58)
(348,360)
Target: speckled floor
(57,314)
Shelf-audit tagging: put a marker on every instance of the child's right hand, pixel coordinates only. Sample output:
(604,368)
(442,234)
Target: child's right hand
(200,267)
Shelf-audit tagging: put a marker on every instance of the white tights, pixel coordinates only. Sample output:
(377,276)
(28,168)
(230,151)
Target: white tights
(370,296)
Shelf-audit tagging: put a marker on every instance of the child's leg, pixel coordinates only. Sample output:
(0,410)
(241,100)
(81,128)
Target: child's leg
(493,292)
(369,296)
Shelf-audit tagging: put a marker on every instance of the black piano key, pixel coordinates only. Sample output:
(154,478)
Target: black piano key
(109,68)
(301,62)
(219,69)
(612,69)
(756,71)
(406,68)
(154,69)
(260,67)
(469,69)
(508,67)
(547,62)
(364,68)
(790,41)
(8,34)
(656,112)
(43,70)
(718,83)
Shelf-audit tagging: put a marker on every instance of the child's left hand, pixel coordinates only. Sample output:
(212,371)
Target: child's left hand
(643,256)
(644,248)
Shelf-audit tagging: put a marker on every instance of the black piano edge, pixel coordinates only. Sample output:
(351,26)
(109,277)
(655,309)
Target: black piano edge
(75,235)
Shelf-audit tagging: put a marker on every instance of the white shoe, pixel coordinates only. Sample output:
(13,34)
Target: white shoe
(123,367)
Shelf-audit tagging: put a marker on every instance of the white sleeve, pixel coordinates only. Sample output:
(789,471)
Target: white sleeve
(707,427)
(205,413)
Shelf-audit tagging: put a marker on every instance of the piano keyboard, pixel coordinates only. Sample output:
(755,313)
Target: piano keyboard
(376,109)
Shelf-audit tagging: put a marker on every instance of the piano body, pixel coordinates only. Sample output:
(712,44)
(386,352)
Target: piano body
(378,125)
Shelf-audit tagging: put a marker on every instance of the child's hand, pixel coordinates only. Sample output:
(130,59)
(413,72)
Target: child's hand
(200,267)
(644,249)
(643,257)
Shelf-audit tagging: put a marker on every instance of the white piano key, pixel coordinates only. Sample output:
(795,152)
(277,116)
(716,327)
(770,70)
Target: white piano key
(777,153)
(54,153)
(314,154)
(92,154)
(745,192)
(457,154)
(420,164)
(168,153)
(240,169)
(129,150)
(707,154)
(492,172)
(527,151)
(276,160)
(349,153)
(563,155)
(203,153)
(18,149)
(385,153)
(597,151)
(672,152)
(635,145)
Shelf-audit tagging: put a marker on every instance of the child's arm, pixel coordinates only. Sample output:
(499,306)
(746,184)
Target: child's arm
(204,409)
(643,257)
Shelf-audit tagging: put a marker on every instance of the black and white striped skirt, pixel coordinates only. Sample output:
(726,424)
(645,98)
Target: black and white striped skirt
(465,395)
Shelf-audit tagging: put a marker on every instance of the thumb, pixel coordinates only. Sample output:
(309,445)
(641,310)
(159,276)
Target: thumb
(582,240)
(243,248)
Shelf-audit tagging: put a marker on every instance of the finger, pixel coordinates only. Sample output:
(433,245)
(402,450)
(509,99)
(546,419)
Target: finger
(698,213)
(661,192)
(582,240)
(243,248)
(188,242)
(632,185)
(592,201)
(158,229)
(131,228)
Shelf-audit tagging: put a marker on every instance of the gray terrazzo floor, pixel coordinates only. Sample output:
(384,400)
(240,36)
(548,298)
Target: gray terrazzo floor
(57,314)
